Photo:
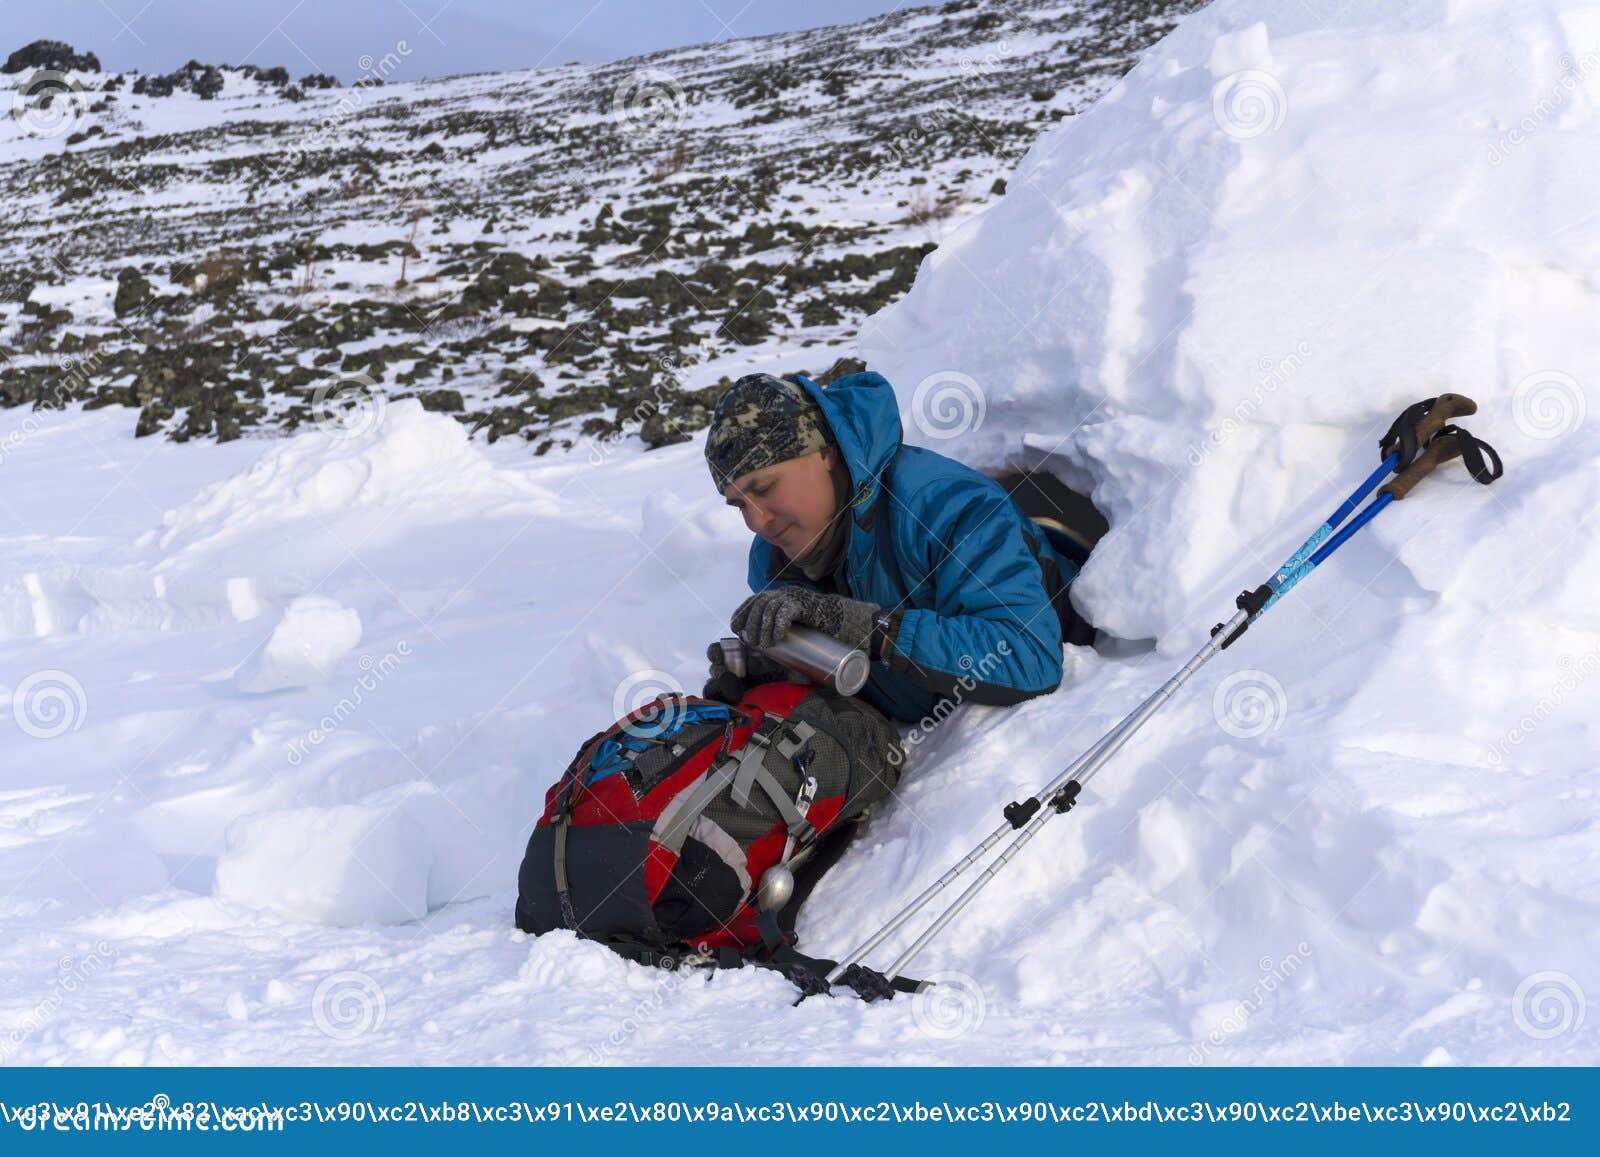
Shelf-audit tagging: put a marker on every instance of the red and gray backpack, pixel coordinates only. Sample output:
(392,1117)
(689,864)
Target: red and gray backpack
(657,837)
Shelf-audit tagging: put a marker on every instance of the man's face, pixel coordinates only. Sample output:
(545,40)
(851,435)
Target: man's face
(789,504)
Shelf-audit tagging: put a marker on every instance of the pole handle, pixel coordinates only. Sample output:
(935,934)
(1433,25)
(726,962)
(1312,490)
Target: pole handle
(1415,427)
(1437,453)
(1444,408)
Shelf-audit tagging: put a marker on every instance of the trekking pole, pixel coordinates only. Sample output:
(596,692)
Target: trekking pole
(1422,425)
(972,857)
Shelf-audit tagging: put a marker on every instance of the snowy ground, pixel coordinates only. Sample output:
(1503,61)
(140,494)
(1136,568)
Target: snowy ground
(282,712)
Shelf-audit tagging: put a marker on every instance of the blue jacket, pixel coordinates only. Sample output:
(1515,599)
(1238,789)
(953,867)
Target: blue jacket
(974,579)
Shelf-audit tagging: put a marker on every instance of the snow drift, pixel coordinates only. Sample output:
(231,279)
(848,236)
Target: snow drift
(313,635)
(1202,302)
(1367,834)
(1206,297)
(375,455)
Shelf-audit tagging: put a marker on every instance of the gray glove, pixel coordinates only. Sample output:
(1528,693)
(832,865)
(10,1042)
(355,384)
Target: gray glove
(764,618)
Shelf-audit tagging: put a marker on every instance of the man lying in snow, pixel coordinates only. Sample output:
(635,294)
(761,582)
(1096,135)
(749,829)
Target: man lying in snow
(920,561)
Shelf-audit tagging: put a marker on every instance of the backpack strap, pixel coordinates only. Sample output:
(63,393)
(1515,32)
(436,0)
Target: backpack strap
(807,973)
(744,768)
(569,915)
(560,823)
(673,825)
(560,818)
(791,739)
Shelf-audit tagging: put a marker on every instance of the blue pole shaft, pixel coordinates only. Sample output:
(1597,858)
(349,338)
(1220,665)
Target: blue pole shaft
(1360,520)
(1364,489)
(1306,560)
(1299,564)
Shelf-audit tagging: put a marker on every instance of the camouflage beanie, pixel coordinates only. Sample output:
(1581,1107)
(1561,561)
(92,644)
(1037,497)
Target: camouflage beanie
(760,421)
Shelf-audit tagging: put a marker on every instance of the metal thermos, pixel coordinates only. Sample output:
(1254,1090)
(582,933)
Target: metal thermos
(819,657)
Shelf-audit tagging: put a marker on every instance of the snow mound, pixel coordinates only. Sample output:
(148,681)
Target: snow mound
(385,857)
(313,635)
(396,459)
(1204,299)
(343,865)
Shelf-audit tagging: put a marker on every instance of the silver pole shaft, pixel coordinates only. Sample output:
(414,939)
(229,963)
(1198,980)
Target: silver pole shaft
(916,905)
(1094,761)
(967,861)
(961,901)
(1151,705)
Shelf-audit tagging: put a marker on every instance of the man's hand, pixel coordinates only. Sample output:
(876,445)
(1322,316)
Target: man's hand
(759,669)
(764,618)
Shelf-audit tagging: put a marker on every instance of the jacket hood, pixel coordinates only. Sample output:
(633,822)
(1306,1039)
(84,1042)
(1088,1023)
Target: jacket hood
(864,415)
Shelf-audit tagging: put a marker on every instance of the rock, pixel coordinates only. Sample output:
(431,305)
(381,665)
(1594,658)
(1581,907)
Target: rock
(132,291)
(841,368)
(445,401)
(55,55)
(659,430)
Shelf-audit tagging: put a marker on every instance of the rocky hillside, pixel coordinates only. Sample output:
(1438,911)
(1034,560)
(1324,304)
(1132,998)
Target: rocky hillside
(562,254)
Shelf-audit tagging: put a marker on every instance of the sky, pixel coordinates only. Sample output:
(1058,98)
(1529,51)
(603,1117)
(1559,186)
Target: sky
(440,37)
